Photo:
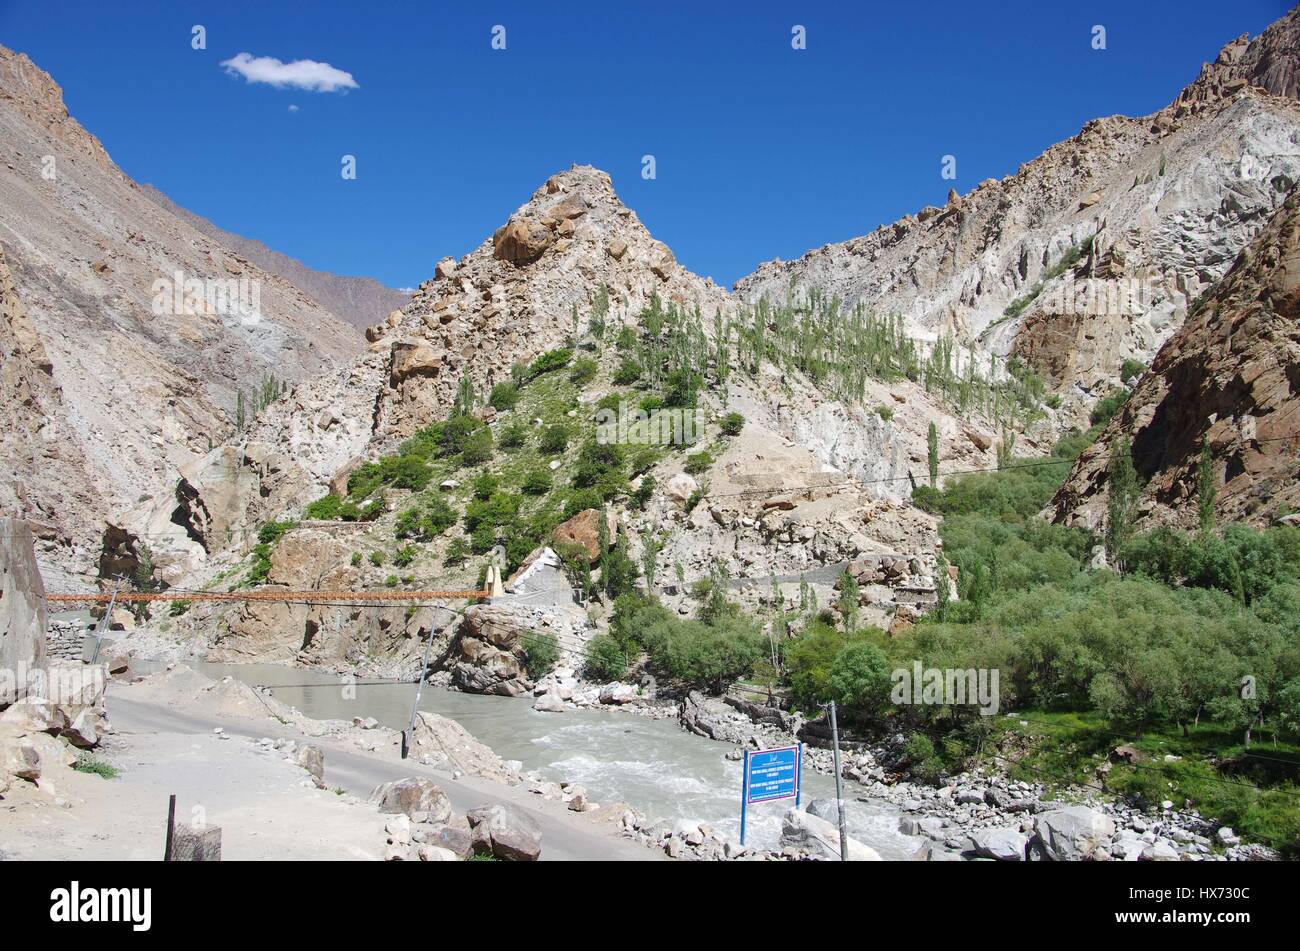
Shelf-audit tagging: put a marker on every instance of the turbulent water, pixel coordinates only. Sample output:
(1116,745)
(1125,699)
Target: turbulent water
(652,764)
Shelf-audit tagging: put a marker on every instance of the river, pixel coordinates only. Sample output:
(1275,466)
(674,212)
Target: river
(654,765)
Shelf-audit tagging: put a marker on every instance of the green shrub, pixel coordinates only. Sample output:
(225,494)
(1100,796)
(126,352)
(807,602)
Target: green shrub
(542,651)
(699,462)
(550,361)
(884,412)
(732,423)
(553,439)
(605,660)
(457,551)
(405,555)
(583,371)
(504,396)
(538,481)
(513,436)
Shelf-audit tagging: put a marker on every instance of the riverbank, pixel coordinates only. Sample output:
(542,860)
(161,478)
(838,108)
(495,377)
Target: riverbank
(234,758)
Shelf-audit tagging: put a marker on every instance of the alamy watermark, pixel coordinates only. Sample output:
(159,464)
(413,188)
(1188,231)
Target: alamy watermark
(656,427)
(239,298)
(72,684)
(946,687)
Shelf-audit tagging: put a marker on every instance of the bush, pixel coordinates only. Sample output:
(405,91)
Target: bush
(884,412)
(704,656)
(405,555)
(732,424)
(504,396)
(554,439)
(549,361)
(859,681)
(699,462)
(628,372)
(583,372)
(514,436)
(542,652)
(606,659)
(457,551)
(478,448)
(483,485)
(324,509)
(537,482)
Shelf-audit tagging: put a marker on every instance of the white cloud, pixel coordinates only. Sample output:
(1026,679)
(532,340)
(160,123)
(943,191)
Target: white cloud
(293,107)
(300,74)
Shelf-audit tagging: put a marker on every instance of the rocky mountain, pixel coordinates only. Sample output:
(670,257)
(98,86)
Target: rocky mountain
(143,331)
(808,485)
(360,301)
(1229,378)
(1092,253)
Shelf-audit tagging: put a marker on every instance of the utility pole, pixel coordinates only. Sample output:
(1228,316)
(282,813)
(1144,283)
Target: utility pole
(409,733)
(105,620)
(839,787)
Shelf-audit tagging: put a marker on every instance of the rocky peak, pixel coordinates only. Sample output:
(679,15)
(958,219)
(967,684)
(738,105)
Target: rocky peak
(513,297)
(39,99)
(1270,62)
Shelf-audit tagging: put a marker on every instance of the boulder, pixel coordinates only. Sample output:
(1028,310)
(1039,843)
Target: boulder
(1005,845)
(681,487)
(521,240)
(436,853)
(705,716)
(1072,834)
(411,796)
(455,837)
(312,759)
(36,715)
(413,358)
(549,702)
(584,529)
(439,737)
(802,830)
(506,832)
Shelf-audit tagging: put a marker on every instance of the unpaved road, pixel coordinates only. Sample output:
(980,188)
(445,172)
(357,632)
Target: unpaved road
(565,835)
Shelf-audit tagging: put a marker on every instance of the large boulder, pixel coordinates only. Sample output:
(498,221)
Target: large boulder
(415,797)
(438,738)
(522,240)
(1005,845)
(584,529)
(22,607)
(506,832)
(803,830)
(712,718)
(491,656)
(1072,834)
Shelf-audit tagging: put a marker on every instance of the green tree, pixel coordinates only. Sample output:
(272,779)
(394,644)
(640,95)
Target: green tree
(932,444)
(1205,490)
(1121,500)
(859,681)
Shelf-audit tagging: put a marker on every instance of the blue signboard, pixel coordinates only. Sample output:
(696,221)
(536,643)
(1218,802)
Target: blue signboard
(770,775)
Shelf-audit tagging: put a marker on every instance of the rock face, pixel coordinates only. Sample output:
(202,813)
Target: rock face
(1123,226)
(22,605)
(490,653)
(1229,377)
(140,329)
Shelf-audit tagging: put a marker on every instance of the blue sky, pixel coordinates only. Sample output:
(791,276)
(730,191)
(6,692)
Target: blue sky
(761,151)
